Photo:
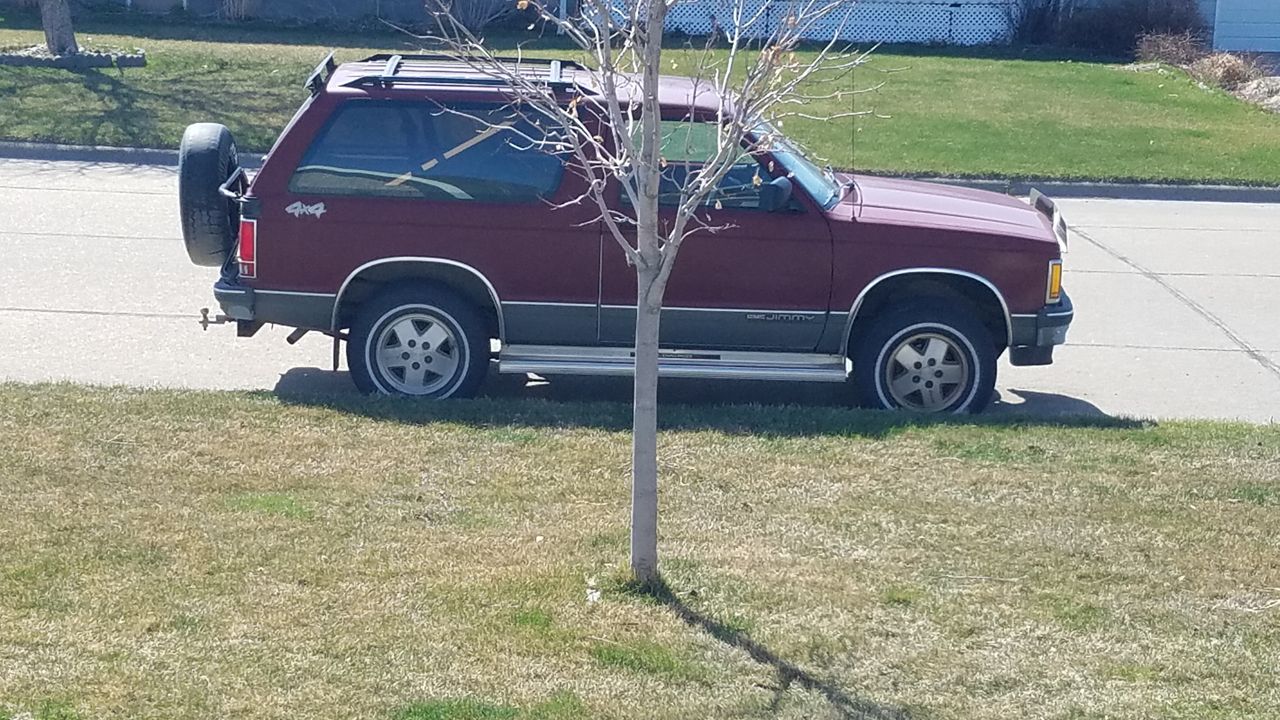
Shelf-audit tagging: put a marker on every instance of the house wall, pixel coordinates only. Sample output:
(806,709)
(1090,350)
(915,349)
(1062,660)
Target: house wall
(947,22)
(1248,25)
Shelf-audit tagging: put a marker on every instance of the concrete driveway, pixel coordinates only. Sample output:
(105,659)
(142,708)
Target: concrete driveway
(1175,307)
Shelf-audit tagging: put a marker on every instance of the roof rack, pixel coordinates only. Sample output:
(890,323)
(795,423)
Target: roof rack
(442,57)
(392,64)
(320,76)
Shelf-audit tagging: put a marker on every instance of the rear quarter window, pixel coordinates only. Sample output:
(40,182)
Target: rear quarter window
(420,150)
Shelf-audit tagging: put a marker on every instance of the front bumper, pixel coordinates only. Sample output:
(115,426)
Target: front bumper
(1035,336)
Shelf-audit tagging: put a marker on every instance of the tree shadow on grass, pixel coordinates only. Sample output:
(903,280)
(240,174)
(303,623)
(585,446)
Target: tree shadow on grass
(128,108)
(788,674)
(733,407)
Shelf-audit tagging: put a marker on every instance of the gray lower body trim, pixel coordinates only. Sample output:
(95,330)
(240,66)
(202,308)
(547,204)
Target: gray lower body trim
(541,323)
(721,328)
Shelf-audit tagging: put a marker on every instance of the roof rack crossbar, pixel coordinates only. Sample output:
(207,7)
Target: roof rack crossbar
(320,76)
(393,64)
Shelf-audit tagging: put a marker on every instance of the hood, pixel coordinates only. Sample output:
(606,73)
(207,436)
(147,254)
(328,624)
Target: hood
(944,207)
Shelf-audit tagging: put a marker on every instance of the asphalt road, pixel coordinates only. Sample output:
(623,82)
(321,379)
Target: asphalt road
(1175,301)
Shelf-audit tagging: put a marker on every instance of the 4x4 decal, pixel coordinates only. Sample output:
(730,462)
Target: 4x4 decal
(298,210)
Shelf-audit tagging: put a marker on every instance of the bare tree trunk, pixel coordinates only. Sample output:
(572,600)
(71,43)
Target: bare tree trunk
(644,432)
(55,16)
(650,284)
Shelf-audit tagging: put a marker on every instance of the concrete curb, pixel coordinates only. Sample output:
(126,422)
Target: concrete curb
(1122,191)
(1052,188)
(101,154)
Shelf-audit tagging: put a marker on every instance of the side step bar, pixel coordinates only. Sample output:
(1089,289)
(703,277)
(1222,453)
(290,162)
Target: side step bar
(554,360)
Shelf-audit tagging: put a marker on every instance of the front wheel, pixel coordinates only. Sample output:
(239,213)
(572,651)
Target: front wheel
(926,358)
(418,341)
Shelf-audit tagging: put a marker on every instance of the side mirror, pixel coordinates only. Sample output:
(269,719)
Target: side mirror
(776,194)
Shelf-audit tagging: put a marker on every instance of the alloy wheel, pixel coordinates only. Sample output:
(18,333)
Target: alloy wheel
(418,354)
(927,372)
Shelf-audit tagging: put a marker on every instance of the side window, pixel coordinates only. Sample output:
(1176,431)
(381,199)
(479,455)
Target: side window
(685,146)
(417,150)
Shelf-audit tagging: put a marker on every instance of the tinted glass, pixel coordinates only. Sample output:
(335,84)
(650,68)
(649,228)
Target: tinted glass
(821,185)
(407,150)
(685,147)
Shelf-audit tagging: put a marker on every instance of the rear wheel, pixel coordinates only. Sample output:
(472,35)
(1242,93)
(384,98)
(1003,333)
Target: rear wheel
(210,221)
(929,357)
(418,341)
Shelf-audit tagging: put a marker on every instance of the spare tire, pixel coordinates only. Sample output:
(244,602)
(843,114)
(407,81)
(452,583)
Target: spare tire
(210,221)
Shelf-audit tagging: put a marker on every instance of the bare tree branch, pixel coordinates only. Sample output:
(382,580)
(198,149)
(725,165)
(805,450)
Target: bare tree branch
(611,118)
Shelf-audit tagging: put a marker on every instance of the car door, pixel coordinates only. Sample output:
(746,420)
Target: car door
(458,184)
(761,281)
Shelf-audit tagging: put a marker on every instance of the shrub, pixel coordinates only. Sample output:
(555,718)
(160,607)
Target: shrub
(235,9)
(474,15)
(1227,70)
(1179,49)
(1037,22)
(1114,26)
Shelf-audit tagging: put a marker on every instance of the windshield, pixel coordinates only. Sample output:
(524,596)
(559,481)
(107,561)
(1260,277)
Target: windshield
(820,184)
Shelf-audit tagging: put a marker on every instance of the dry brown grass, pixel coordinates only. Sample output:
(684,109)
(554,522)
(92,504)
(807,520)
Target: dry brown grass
(1227,70)
(1180,49)
(196,555)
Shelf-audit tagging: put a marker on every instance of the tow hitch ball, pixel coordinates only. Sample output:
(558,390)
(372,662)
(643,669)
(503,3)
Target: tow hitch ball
(206,321)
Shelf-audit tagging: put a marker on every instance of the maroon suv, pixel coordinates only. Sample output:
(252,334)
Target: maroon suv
(391,214)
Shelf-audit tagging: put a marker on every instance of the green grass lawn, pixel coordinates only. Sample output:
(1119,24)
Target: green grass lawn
(990,113)
(197,555)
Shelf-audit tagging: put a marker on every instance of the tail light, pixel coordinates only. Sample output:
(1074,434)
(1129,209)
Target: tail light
(247,249)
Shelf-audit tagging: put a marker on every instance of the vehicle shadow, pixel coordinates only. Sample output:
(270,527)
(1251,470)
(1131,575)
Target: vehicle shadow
(739,407)
(787,673)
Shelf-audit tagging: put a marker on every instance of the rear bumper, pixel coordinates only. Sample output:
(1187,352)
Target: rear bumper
(1035,336)
(236,301)
(309,310)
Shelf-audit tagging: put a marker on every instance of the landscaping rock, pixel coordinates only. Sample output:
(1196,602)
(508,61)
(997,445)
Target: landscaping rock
(1260,91)
(39,56)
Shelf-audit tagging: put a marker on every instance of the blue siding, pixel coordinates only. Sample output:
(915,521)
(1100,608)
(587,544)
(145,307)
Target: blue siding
(1248,25)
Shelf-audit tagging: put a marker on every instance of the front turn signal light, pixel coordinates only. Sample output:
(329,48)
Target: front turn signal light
(1055,282)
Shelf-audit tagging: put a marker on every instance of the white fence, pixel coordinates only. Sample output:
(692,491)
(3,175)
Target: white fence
(953,22)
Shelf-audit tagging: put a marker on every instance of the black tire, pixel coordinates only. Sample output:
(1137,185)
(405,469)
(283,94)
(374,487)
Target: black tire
(424,307)
(921,329)
(210,222)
